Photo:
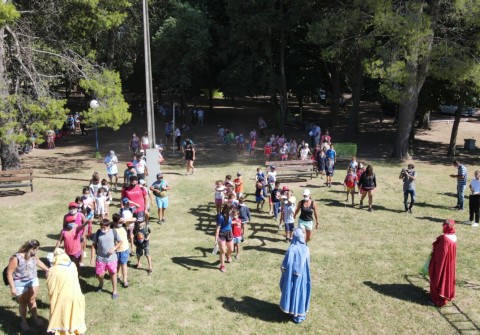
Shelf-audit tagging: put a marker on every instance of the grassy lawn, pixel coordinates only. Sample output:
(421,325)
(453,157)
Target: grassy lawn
(364,265)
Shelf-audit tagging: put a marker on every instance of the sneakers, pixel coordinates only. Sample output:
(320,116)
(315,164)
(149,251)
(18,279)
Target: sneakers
(160,221)
(410,211)
(468,222)
(361,202)
(222,268)
(114,296)
(99,289)
(126,284)
(229,259)
(370,209)
(475,224)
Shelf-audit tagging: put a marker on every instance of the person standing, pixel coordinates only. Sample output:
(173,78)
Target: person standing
(224,236)
(111,161)
(159,189)
(189,152)
(178,138)
(67,302)
(474,200)
(136,194)
(367,185)
(168,133)
(295,283)
(106,242)
(23,280)
(200,117)
(145,142)
(461,177)
(134,143)
(307,208)
(409,175)
(262,125)
(442,265)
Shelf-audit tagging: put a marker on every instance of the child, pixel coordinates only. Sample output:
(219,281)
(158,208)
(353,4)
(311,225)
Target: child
(141,238)
(283,152)
(244,214)
(259,174)
(259,198)
(330,169)
(123,252)
(288,218)
(292,152)
(228,181)
(267,151)
(240,143)
(253,143)
(149,199)
(238,182)
(101,204)
(232,200)
(219,193)
(87,198)
(353,164)
(321,162)
(237,233)
(350,182)
(126,213)
(275,196)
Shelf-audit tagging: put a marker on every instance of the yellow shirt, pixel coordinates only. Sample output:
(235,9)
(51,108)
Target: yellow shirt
(122,235)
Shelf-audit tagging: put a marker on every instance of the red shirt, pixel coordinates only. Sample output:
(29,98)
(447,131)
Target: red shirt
(72,240)
(238,185)
(237,227)
(135,194)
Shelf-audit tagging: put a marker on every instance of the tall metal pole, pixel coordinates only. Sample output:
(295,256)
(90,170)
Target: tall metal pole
(148,77)
(173,129)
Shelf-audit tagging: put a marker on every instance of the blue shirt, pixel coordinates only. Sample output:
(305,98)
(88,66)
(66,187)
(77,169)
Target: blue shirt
(331,153)
(224,226)
(462,171)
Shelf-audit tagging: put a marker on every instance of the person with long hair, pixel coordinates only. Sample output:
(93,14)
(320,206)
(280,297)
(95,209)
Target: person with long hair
(23,280)
(367,185)
(189,152)
(308,210)
(224,236)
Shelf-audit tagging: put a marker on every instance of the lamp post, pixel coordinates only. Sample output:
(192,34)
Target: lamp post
(148,77)
(94,105)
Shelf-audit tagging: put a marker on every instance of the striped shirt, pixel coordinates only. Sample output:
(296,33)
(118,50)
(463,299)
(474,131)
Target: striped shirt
(462,171)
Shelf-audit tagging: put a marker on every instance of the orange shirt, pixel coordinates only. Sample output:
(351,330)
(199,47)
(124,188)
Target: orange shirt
(238,185)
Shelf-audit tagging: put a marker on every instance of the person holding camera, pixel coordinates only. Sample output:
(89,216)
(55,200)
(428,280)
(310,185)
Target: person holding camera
(159,189)
(408,175)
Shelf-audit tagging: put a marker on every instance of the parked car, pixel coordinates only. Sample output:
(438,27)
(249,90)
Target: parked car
(452,109)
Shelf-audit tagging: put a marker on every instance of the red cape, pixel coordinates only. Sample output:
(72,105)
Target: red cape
(442,270)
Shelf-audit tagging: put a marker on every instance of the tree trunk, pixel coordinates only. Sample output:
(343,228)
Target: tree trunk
(283,79)
(353,117)
(334,73)
(9,156)
(453,137)
(210,99)
(424,121)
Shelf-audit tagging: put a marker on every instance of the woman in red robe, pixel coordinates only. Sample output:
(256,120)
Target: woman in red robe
(442,266)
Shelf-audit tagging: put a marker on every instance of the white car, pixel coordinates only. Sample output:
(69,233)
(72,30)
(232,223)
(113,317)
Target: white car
(452,109)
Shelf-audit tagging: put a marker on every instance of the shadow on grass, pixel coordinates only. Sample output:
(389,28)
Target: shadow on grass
(11,193)
(430,218)
(255,308)
(194,262)
(263,249)
(452,313)
(448,194)
(424,204)
(10,322)
(406,292)
(206,221)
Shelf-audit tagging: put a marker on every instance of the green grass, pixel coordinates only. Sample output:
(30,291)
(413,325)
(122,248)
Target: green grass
(364,265)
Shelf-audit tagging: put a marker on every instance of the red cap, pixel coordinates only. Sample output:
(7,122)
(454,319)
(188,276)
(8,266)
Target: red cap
(285,188)
(130,164)
(72,204)
(69,219)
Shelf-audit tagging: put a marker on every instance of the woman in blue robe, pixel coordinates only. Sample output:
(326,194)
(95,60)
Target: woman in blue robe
(295,280)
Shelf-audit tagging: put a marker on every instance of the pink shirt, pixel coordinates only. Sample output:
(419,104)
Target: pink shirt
(72,240)
(135,194)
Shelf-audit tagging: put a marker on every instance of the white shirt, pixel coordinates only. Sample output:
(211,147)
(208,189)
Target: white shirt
(177,132)
(140,166)
(111,162)
(145,140)
(475,185)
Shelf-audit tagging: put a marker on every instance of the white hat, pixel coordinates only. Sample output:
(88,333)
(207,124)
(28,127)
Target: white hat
(142,182)
(306,192)
(306,145)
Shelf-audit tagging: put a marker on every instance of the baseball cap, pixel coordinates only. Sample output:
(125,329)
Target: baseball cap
(141,181)
(72,204)
(140,218)
(130,164)
(273,167)
(112,153)
(239,174)
(285,188)
(125,200)
(142,151)
(306,192)
(159,175)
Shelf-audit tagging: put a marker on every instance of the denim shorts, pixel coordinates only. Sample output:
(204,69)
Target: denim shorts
(123,257)
(308,225)
(162,202)
(22,286)
(237,240)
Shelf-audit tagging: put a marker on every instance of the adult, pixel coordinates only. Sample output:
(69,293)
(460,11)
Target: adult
(461,177)
(408,176)
(134,143)
(168,132)
(224,236)
(135,193)
(178,138)
(253,135)
(308,209)
(200,117)
(367,185)
(23,280)
(442,265)
(141,165)
(106,242)
(326,138)
(262,125)
(159,189)
(474,200)
(144,141)
(189,152)
(67,303)
(331,153)
(317,132)
(111,161)
(295,283)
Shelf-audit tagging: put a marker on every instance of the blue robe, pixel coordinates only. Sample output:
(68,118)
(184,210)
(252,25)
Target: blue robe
(295,280)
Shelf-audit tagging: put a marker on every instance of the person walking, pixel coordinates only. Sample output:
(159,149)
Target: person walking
(106,242)
(308,209)
(461,177)
(408,176)
(442,265)
(111,161)
(189,152)
(224,236)
(23,280)
(159,189)
(134,143)
(367,185)
(474,200)
(178,138)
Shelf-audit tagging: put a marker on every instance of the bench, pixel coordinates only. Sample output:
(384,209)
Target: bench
(293,170)
(15,178)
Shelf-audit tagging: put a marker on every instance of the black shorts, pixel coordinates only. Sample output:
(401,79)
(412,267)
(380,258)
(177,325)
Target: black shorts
(226,236)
